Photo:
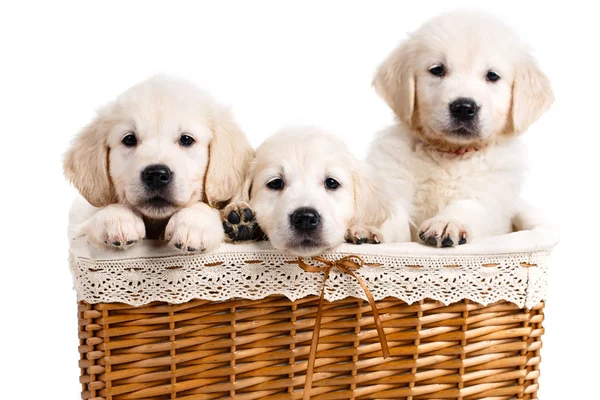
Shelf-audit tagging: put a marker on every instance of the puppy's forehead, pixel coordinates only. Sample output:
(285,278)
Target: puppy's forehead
(300,142)
(165,105)
(466,39)
(302,153)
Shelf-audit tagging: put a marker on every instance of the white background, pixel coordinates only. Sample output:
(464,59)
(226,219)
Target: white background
(275,63)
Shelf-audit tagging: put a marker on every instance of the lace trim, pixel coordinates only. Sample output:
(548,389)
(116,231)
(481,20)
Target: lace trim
(519,278)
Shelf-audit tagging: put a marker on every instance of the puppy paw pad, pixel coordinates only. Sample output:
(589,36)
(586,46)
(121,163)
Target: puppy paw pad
(244,233)
(248,215)
(432,240)
(447,242)
(234,218)
(239,223)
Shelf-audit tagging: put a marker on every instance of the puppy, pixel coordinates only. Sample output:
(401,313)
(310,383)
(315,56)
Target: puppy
(462,87)
(154,163)
(308,194)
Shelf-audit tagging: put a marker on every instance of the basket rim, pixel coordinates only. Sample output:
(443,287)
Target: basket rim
(540,239)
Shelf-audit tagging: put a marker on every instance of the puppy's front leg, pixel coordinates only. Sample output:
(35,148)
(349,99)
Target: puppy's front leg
(195,229)
(461,221)
(116,226)
(396,229)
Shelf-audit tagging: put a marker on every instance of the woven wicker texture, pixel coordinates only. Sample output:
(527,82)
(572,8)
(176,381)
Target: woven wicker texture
(243,349)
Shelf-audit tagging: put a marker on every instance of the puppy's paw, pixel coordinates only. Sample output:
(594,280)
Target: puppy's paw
(115,226)
(194,230)
(239,223)
(359,234)
(444,232)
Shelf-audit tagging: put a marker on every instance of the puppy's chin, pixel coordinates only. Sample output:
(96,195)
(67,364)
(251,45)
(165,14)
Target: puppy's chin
(157,208)
(297,244)
(463,133)
(305,247)
(449,138)
(456,132)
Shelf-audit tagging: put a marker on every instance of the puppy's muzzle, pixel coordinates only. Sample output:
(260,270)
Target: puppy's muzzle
(463,109)
(156,176)
(305,219)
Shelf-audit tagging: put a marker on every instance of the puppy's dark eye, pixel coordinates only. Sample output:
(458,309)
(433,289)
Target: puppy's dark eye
(438,70)
(129,140)
(492,76)
(186,140)
(331,183)
(275,184)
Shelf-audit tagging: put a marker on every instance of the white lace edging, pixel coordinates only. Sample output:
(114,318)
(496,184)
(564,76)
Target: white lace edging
(256,273)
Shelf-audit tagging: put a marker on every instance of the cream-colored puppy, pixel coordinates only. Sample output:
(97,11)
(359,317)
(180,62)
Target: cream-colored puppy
(308,194)
(462,87)
(153,162)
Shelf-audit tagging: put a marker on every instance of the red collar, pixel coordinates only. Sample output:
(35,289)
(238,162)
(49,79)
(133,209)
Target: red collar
(461,150)
(457,151)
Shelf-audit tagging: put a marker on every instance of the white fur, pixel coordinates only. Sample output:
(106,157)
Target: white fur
(446,184)
(107,173)
(304,158)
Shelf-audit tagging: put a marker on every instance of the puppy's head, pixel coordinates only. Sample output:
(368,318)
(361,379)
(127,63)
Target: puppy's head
(463,79)
(160,146)
(306,188)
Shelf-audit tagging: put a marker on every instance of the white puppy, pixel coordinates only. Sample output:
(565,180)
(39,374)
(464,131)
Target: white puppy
(309,194)
(462,87)
(153,162)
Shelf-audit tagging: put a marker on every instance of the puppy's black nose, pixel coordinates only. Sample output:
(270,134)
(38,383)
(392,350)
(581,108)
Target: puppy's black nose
(156,176)
(305,219)
(463,109)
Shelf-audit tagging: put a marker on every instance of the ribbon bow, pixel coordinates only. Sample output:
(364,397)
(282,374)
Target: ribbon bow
(346,265)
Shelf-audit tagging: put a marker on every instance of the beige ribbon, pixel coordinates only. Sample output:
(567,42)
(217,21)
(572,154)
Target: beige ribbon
(346,265)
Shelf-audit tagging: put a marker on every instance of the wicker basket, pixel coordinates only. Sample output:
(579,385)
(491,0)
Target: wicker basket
(259,348)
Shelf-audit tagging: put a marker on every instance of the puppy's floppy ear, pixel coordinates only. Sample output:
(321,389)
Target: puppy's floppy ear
(532,95)
(394,81)
(244,192)
(372,205)
(229,156)
(85,164)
